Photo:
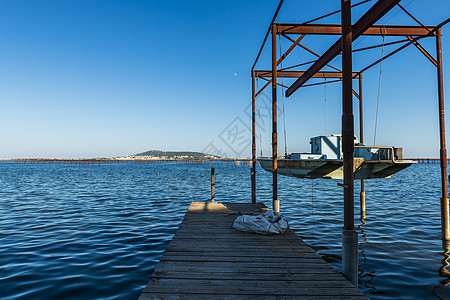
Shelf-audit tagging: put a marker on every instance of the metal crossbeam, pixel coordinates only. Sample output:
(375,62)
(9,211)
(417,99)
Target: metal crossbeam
(378,10)
(335,29)
(297,74)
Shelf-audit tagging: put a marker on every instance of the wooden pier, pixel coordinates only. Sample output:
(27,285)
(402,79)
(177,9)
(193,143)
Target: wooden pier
(208,259)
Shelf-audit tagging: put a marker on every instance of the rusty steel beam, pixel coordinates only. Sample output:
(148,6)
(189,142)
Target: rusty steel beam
(310,21)
(271,81)
(309,50)
(378,10)
(296,74)
(380,45)
(411,41)
(253,171)
(347,115)
(275,201)
(424,52)
(335,29)
(362,194)
(320,83)
(267,33)
(295,43)
(361,131)
(443,150)
(333,13)
(412,17)
(441,24)
(263,88)
(387,56)
(349,236)
(297,65)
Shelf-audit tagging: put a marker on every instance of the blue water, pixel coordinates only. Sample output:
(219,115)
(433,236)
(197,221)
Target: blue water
(97,232)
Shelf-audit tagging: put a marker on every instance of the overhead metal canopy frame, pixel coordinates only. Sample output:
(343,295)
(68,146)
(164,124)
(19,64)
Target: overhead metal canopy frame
(343,46)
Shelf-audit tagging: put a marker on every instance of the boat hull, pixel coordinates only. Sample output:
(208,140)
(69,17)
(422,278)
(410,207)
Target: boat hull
(333,168)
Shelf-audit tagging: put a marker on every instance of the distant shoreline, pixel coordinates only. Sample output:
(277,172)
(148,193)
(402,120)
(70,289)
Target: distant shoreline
(118,159)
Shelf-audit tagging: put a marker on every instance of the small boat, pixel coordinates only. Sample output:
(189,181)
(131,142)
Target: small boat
(325,160)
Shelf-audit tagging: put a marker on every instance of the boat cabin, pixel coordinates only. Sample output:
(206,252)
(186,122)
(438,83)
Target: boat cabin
(330,147)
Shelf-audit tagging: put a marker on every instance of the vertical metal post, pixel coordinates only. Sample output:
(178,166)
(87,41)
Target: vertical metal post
(443,156)
(253,171)
(349,236)
(212,185)
(362,194)
(275,201)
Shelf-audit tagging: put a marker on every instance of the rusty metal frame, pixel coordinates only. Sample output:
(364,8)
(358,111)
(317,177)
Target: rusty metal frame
(296,74)
(421,49)
(270,81)
(309,50)
(343,46)
(335,29)
(380,45)
(378,10)
(294,43)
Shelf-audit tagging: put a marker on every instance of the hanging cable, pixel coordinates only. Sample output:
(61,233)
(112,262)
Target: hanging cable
(379,91)
(325,79)
(312,200)
(259,119)
(381,67)
(282,97)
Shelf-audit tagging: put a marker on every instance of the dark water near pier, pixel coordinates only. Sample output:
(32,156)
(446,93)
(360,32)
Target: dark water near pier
(97,232)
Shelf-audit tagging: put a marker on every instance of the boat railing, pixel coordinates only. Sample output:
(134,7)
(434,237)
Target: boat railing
(383,152)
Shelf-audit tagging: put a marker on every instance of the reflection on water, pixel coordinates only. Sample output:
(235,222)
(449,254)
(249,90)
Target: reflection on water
(400,237)
(72,232)
(443,271)
(365,278)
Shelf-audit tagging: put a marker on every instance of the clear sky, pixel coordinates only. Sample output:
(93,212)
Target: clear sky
(108,78)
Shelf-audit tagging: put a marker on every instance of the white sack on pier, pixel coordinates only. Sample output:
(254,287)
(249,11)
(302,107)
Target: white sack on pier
(269,222)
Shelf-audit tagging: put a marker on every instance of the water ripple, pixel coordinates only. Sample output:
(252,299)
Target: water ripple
(97,232)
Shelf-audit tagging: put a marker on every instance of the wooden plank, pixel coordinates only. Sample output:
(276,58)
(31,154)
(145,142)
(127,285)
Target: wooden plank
(249,287)
(253,286)
(247,270)
(247,265)
(229,230)
(236,235)
(209,259)
(251,246)
(245,259)
(218,275)
(185,296)
(255,253)
(206,243)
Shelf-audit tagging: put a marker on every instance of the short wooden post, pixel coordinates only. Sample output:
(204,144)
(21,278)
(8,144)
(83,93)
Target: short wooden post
(212,184)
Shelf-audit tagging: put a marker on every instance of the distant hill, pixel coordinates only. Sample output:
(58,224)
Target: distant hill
(176,154)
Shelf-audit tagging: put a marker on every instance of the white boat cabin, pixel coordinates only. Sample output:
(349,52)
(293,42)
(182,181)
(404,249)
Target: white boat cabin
(330,147)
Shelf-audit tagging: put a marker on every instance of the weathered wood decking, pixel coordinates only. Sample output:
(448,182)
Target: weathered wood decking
(208,259)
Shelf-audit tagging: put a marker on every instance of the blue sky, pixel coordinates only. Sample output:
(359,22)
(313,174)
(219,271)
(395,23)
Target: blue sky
(108,78)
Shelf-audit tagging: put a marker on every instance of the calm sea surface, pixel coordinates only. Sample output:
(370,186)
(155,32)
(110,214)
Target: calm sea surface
(97,232)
